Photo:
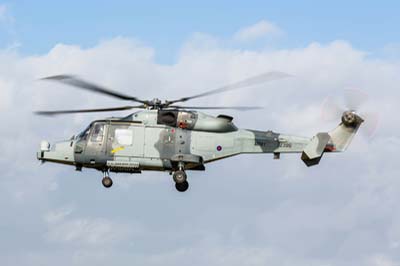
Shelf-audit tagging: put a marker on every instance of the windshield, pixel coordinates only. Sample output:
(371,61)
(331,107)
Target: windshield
(84,134)
(97,132)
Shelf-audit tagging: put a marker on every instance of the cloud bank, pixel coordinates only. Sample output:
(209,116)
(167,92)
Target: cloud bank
(247,210)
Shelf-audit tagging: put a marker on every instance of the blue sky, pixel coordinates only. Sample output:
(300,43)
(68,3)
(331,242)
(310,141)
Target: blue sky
(164,25)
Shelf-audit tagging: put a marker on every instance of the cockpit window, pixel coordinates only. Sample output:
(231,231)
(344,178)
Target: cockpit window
(97,133)
(84,134)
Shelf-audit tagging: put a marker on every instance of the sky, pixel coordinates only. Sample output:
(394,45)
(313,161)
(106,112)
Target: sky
(245,210)
(166,25)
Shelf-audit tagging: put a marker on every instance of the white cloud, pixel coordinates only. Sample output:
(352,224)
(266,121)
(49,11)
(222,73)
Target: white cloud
(260,29)
(78,231)
(58,215)
(87,231)
(382,260)
(282,213)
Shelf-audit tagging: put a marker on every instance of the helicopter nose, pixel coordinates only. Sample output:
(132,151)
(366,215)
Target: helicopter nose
(61,152)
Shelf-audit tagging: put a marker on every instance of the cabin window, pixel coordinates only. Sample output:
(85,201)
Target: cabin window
(124,136)
(97,133)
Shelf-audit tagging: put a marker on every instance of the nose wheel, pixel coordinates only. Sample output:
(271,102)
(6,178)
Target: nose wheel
(182,187)
(106,181)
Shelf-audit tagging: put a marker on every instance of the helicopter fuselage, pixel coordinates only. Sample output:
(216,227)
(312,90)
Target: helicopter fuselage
(162,140)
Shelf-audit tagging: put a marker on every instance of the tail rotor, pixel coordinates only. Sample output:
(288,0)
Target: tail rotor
(352,102)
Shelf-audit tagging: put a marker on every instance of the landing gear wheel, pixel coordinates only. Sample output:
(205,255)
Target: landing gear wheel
(182,187)
(107,182)
(180,177)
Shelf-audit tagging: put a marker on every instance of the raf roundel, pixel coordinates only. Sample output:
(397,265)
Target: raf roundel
(219,148)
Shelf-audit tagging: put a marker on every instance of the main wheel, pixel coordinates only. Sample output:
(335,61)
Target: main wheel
(180,176)
(182,187)
(107,182)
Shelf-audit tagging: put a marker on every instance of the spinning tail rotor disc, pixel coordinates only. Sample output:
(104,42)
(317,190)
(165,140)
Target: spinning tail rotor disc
(353,100)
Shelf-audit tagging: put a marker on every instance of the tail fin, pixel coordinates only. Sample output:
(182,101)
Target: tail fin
(336,140)
(342,135)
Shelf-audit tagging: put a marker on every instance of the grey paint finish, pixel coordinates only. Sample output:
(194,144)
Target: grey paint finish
(212,146)
(140,142)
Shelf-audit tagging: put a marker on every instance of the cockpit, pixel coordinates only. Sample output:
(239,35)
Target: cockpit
(95,131)
(84,134)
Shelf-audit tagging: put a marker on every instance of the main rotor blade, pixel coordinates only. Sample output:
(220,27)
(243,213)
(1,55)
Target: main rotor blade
(239,108)
(252,81)
(79,83)
(59,112)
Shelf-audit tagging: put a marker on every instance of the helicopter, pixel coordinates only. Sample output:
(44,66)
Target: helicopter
(166,136)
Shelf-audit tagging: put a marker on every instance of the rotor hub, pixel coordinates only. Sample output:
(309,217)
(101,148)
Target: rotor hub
(154,104)
(349,118)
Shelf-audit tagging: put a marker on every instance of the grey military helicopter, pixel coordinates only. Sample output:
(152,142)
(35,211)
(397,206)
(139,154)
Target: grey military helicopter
(164,136)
